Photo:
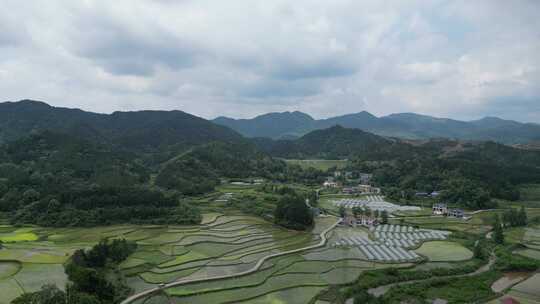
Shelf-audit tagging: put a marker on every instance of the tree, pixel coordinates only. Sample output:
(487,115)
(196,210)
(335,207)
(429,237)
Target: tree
(465,192)
(384,217)
(356,211)
(292,212)
(48,294)
(522,216)
(75,297)
(498,235)
(342,211)
(478,250)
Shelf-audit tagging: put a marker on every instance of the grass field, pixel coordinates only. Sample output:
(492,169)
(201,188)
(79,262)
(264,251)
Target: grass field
(320,164)
(19,235)
(443,251)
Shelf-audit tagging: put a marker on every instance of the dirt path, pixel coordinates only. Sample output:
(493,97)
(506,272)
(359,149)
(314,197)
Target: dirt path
(160,288)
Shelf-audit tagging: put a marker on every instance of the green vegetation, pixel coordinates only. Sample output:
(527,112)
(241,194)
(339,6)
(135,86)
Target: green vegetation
(19,235)
(498,235)
(58,180)
(442,251)
(90,275)
(292,212)
(462,290)
(530,192)
(131,201)
(199,170)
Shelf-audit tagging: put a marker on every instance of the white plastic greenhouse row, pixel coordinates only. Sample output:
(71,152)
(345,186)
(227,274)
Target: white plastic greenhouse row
(394,228)
(354,240)
(369,198)
(373,205)
(387,253)
(421,235)
(401,243)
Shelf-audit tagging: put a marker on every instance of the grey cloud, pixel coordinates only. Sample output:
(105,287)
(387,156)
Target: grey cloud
(124,51)
(326,57)
(322,69)
(271,88)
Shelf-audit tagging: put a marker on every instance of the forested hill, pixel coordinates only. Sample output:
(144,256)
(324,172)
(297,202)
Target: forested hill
(335,142)
(403,125)
(142,130)
(67,167)
(200,169)
(481,169)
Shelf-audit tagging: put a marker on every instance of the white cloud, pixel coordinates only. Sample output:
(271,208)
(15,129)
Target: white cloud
(241,58)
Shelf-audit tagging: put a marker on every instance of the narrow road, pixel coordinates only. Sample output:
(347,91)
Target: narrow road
(148,292)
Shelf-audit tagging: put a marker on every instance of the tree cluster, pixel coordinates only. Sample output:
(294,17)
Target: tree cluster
(292,212)
(514,218)
(88,272)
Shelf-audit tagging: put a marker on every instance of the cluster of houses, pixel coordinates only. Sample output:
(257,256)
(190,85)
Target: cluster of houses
(442,209)
(363,188)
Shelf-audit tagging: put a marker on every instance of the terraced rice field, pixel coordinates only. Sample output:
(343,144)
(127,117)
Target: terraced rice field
(222,245)
(26,263)
(293,278)
(526,291)
(530,238)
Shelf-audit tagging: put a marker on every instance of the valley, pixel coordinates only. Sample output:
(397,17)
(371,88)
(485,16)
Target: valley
(336,216)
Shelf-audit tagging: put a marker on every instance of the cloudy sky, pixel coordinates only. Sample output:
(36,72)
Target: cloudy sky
(460,59)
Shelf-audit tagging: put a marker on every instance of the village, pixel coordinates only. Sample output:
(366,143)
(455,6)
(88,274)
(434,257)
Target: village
(368,207)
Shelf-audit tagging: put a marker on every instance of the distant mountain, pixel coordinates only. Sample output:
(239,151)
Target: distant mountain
(403,125)
(142,130)
(274,125)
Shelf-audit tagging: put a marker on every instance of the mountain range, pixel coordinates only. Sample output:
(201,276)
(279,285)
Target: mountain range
(141,130)
(289,125)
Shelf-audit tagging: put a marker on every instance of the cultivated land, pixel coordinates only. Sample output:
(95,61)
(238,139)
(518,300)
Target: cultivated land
(320,164)
(224,245)
(441,251)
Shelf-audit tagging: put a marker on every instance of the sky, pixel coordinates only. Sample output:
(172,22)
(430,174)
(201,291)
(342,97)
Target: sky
(461,59)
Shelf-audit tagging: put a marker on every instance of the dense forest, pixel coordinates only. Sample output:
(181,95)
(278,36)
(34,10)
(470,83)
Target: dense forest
(63,167)
(56,179)
(468,174)
(200,169)
(59,179)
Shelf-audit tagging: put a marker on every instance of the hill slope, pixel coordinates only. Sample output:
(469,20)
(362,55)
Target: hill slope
(332,143)
(144,130)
